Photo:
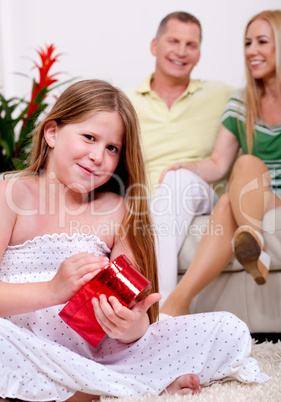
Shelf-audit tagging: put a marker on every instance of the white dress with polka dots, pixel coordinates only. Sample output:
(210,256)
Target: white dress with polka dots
(42,359)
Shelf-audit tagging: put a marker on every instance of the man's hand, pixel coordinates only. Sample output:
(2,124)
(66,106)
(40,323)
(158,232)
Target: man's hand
(189,166)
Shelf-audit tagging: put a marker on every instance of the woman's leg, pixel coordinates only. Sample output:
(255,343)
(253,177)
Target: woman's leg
(250,197)
(249,191)
(213,254)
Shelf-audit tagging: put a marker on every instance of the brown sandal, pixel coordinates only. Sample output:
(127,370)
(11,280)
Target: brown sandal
(248,247)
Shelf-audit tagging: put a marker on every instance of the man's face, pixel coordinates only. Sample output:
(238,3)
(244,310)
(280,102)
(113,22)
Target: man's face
(177,50)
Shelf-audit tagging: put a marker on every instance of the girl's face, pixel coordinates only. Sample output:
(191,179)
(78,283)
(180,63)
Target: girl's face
(85,154)
(260,50)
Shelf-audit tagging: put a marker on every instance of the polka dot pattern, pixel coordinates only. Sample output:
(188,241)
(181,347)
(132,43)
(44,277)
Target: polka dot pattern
(43,359)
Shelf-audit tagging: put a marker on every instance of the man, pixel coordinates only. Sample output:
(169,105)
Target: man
(180,119)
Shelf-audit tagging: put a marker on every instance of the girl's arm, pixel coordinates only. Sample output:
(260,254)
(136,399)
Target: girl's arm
(25,297)
(219,163)
(74,272)
(15,298)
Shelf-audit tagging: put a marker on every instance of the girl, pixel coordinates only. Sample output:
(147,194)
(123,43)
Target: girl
(252,120)
(81,201)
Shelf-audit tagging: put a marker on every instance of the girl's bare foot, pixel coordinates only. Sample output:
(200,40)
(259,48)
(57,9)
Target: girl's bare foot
(185,384)
(81,397)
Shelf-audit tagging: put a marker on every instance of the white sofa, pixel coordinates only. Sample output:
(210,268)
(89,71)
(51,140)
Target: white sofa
(234,289)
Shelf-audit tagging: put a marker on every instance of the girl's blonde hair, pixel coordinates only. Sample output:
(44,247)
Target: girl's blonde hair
(255,87)
(78,102)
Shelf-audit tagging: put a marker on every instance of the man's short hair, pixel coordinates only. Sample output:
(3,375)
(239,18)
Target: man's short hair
(180,16)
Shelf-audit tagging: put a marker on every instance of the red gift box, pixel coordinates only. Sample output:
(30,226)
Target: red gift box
(120,279)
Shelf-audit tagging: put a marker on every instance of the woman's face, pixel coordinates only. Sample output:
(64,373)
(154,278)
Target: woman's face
(260,50)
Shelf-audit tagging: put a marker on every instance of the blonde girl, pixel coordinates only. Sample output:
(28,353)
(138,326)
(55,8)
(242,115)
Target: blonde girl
(82,202)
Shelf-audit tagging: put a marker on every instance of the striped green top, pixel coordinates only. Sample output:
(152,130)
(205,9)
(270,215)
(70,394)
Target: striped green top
(266,141)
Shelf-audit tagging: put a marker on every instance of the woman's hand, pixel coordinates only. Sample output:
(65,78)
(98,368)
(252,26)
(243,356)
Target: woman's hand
(119,322)
(74,273)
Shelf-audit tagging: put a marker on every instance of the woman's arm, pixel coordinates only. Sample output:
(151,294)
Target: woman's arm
(219,163)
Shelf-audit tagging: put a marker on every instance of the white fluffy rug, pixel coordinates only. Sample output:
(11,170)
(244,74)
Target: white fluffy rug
(268,355)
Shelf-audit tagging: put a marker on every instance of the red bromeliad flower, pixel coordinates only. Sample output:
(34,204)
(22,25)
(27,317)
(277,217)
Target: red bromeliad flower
(40,89)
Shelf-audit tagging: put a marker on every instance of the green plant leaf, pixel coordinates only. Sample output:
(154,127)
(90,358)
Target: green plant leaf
(7,135)
(29,125)
(5,146)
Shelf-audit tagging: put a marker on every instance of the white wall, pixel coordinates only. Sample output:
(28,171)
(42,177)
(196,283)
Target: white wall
(110,39)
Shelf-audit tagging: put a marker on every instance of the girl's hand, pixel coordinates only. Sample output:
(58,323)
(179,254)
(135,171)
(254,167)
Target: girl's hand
(121,323)
(74,273)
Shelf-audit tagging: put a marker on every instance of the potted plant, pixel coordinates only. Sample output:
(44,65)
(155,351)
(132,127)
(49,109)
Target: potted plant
(18,117)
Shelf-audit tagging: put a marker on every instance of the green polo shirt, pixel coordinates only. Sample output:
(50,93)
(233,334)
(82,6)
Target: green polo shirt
(184,133)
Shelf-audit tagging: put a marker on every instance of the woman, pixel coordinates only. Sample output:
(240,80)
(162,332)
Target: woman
(252,120)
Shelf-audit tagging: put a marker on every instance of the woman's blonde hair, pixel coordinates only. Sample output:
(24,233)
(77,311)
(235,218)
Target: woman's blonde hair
(76,103)
(255,87)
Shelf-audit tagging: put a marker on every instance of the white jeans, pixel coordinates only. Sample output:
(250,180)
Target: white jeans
(181,196)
